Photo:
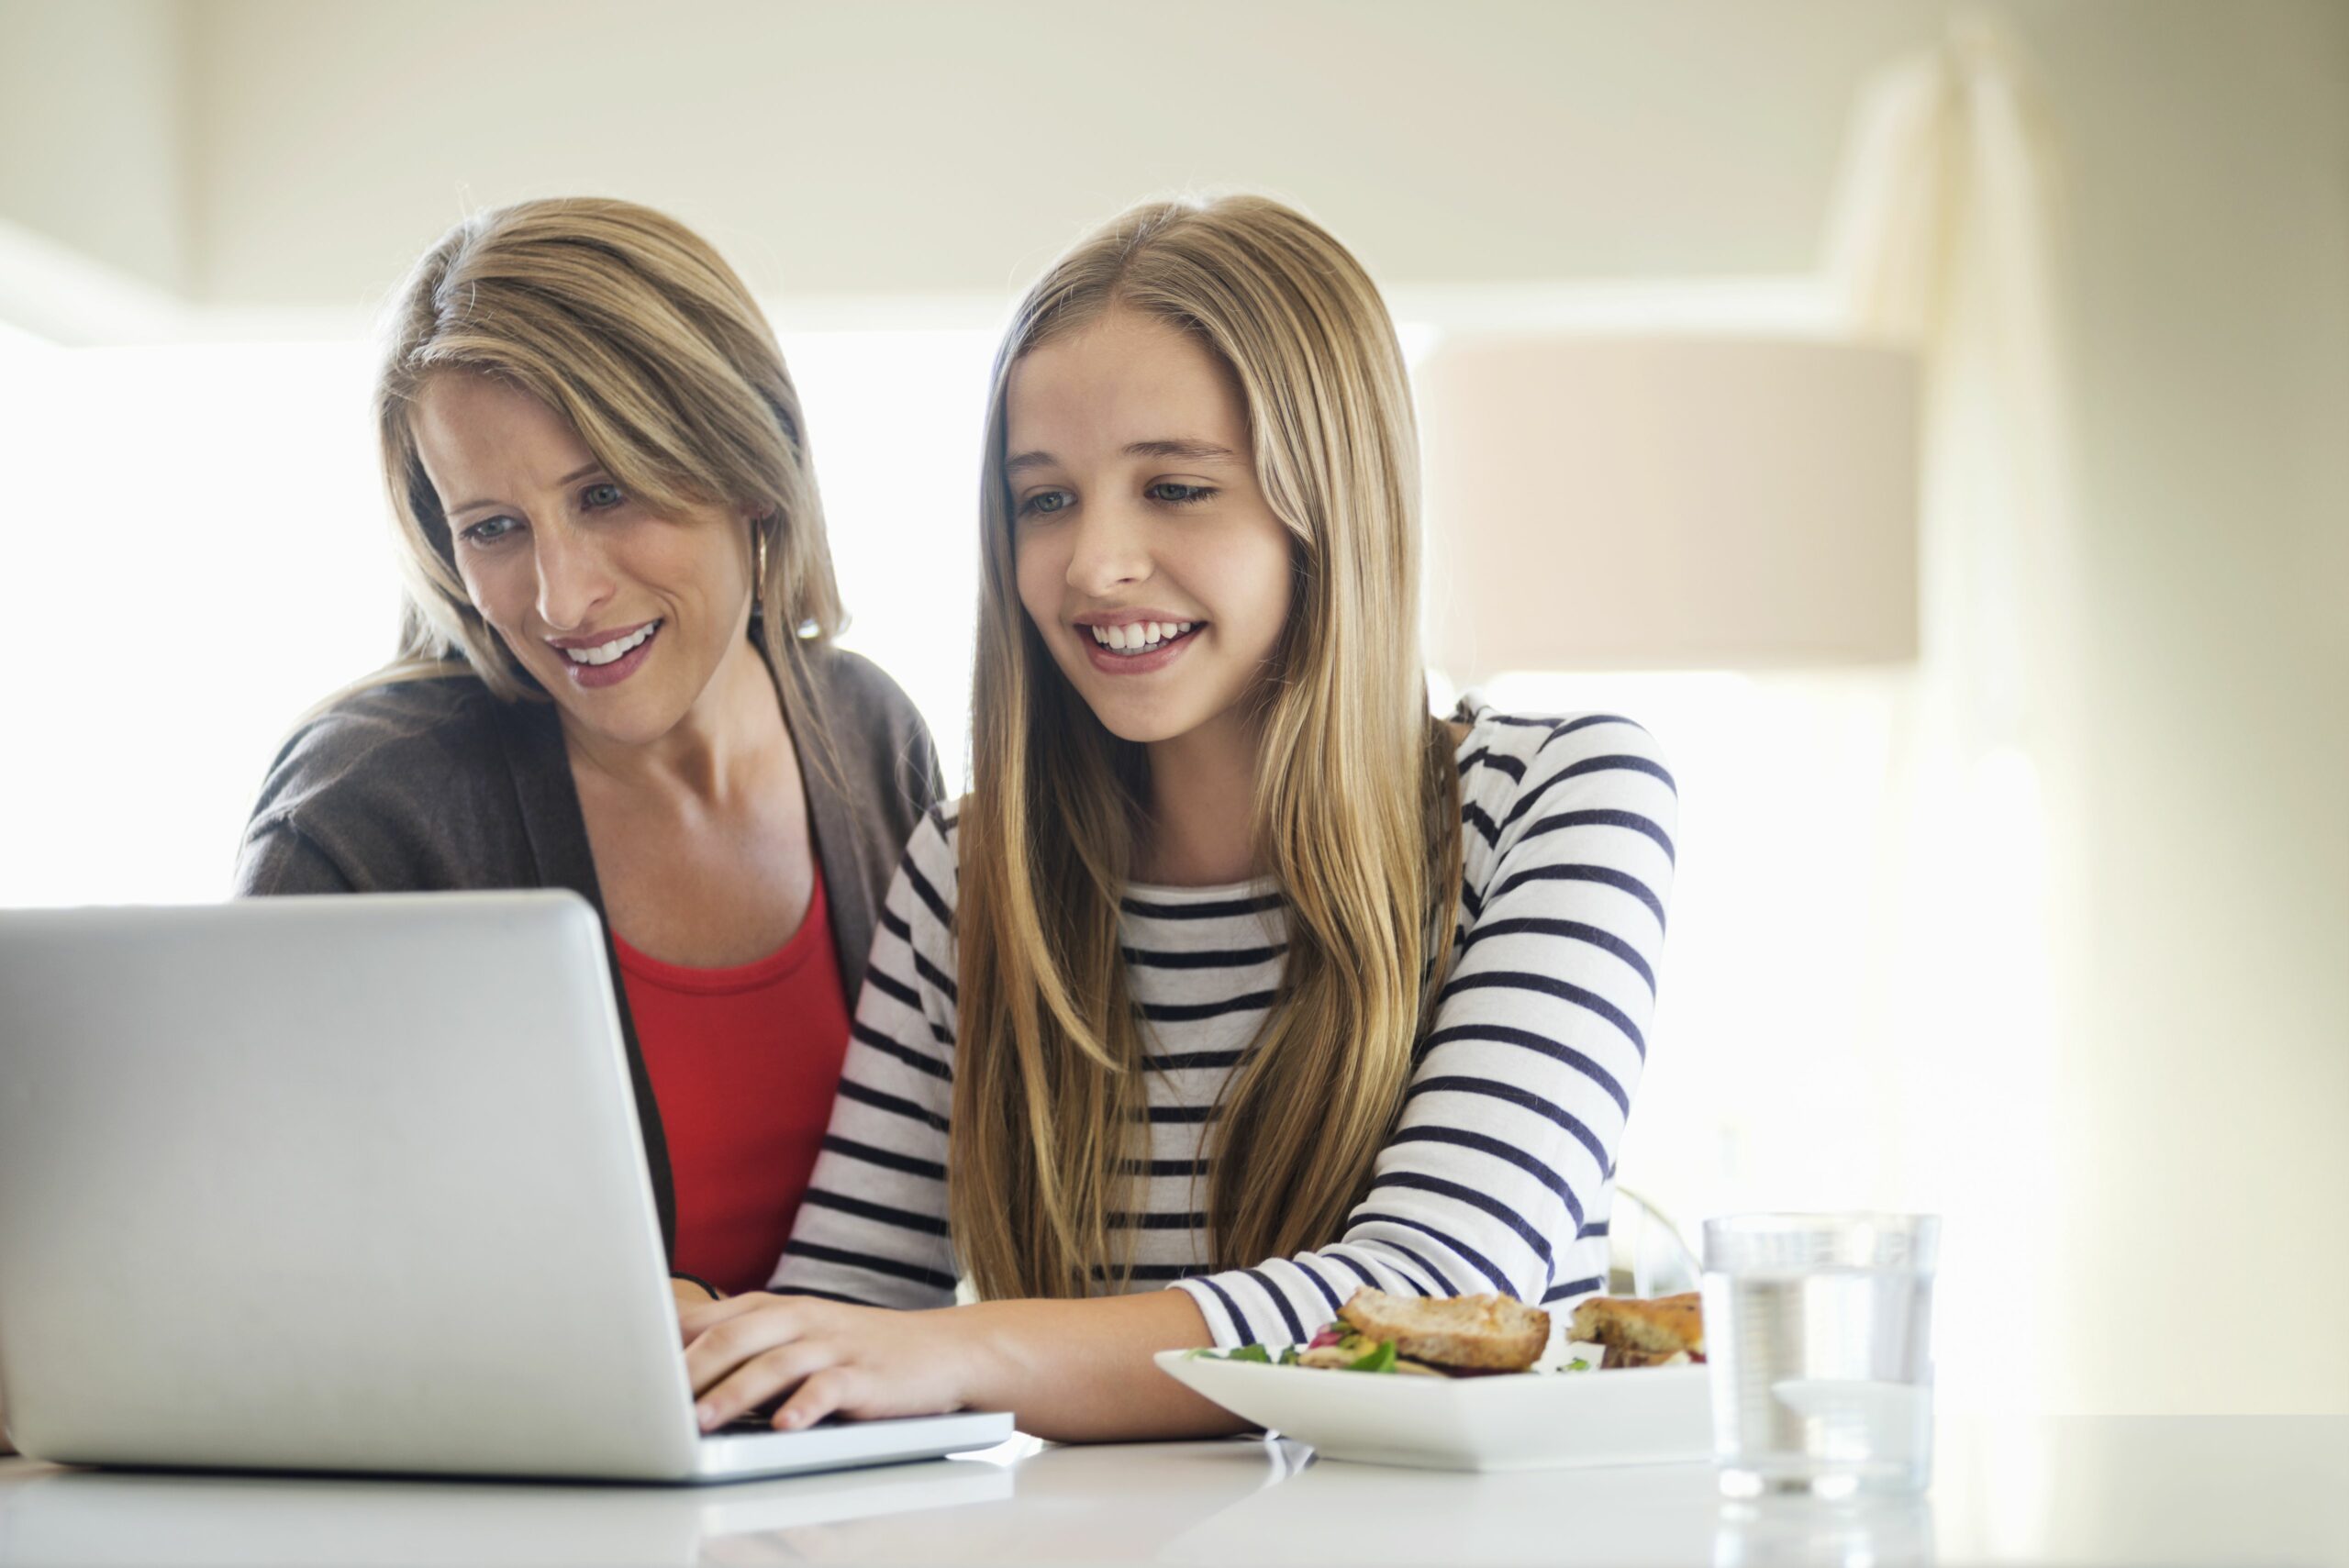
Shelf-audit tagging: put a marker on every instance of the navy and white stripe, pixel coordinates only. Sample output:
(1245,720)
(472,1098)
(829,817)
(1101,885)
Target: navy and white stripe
(1499,1174)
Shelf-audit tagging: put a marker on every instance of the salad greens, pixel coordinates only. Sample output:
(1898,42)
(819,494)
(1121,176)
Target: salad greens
(1356,1351)
(1250,1353)
(1365,1354)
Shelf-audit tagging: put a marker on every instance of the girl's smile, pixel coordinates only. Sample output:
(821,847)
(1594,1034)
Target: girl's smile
(1136,642)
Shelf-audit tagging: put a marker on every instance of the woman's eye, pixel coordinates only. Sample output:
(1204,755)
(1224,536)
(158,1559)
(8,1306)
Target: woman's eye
(489,530)
(1045,501)
(1176,495)
(601,497)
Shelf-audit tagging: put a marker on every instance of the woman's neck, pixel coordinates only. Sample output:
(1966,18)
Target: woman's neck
(1202,831)
(726,745)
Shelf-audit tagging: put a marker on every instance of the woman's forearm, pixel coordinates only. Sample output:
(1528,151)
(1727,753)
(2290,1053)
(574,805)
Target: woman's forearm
(1080,1371)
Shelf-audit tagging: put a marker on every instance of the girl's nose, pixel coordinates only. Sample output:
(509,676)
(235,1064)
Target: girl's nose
(1111,551)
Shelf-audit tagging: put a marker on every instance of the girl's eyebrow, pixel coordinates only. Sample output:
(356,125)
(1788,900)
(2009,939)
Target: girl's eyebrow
(1194,452)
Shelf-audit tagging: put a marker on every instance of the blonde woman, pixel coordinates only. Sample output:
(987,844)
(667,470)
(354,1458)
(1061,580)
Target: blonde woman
(617,676)
(1238,982)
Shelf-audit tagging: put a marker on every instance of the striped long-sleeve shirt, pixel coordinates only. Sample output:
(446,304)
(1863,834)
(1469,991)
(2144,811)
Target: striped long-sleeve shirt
(1499,1172)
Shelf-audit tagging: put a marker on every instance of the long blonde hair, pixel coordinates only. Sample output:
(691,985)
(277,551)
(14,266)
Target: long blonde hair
(1355,811)
(633,328)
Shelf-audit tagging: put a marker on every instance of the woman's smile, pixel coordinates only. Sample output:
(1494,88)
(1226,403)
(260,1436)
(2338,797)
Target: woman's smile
(605,658)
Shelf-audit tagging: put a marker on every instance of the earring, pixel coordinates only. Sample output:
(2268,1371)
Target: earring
(759,567)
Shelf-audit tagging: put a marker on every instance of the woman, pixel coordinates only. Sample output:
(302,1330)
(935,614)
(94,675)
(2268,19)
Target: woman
(617,676)
(1236,972)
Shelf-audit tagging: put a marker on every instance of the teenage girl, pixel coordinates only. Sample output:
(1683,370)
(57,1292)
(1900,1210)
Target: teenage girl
(1238,982)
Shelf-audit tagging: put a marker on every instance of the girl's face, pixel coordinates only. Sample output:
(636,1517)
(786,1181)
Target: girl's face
(1147,558)
(623,614)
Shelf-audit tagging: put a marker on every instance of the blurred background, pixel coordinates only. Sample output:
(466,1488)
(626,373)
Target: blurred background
(1927,419)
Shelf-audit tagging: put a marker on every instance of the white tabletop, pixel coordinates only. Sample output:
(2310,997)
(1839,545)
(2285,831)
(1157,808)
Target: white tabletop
(2135,1490)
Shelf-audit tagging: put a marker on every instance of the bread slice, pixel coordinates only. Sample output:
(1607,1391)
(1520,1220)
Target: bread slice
(1640,1333)
(1476,1333)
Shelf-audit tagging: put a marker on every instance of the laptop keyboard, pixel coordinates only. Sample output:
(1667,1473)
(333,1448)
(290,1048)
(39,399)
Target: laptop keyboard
(762,1420)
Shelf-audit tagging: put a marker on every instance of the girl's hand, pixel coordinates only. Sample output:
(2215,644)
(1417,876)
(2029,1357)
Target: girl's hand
(828,1357)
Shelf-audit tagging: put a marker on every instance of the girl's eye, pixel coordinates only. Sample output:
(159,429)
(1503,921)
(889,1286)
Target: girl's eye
(601,497)
(489,530)
(1176,495)
(1045,502)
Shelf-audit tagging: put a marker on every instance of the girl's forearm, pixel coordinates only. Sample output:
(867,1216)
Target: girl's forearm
(1080,1371)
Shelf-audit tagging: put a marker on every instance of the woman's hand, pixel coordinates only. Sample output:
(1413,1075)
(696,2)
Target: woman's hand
(828,1357)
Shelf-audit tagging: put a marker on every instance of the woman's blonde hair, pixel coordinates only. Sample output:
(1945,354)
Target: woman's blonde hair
(629,326)
(1355,810)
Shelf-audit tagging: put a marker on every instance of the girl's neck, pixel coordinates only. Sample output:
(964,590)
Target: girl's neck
(1202,808)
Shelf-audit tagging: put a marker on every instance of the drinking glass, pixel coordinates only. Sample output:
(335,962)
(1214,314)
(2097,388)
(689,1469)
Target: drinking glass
(1818,1328)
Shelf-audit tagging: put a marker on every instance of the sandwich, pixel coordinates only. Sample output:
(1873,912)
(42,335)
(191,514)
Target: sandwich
(1459,1336)
(1666,1331)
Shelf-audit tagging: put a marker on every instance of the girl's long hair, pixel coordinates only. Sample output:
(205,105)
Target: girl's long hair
(632,327)
(1355,812)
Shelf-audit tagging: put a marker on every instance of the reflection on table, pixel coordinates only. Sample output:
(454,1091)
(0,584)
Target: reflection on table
(2240,1490)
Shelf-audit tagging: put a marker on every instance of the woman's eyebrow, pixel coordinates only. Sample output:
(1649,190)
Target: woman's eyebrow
(572,477)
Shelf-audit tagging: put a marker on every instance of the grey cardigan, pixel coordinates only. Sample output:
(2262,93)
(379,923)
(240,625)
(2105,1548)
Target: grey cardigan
(437,786)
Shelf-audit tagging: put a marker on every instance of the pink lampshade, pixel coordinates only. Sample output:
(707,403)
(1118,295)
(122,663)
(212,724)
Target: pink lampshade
(1669,503)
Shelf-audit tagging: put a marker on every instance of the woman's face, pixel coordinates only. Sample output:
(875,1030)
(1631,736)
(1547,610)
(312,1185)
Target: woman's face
(624,614)
(1147,558)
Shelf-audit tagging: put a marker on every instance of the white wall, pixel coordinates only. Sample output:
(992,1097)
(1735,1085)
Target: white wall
(93,131)
(926,145)
(2210,170)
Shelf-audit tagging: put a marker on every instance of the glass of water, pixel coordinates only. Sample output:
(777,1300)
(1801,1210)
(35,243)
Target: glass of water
(1819,1330)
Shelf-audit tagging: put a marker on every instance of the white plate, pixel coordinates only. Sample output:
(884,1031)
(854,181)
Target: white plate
(1534,1421)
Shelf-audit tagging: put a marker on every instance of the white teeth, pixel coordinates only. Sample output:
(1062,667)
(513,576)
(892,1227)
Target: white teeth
(1141,634)
(614,649)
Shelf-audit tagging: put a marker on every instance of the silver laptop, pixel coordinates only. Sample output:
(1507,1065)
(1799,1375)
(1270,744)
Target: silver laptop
(348,1183)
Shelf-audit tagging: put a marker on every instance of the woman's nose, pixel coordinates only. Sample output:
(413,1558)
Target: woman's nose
(572,582)
(1111,550)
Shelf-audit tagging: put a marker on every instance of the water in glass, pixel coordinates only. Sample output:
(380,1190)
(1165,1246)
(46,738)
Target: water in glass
(1818,1329)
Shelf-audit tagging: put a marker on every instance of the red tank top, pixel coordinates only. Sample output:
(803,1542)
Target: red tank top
(744,1063)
